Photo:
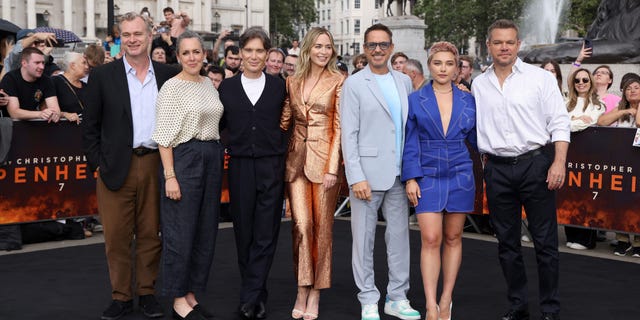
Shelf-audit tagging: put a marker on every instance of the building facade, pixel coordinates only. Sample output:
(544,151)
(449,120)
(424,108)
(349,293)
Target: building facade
(88,18)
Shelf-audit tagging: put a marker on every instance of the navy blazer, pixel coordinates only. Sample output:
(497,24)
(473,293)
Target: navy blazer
(441,164)
(253,131)
(107,122)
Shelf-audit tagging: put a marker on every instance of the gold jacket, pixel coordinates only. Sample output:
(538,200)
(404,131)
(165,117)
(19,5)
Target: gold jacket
(314,147)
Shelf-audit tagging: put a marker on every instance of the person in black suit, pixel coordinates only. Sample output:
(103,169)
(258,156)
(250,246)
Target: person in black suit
(253,103)
(118,123)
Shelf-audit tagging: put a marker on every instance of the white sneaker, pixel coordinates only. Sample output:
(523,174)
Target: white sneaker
(525,238)
(401,309)
(569,244)
(577,246)
(370,312)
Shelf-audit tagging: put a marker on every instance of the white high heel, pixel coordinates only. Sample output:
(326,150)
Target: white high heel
(426,313)
(450,308)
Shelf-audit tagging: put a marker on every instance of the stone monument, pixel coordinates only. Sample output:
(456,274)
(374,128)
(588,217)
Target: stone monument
(408,31)
(615,35)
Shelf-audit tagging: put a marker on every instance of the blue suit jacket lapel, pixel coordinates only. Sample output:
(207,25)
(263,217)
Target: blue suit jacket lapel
(429,105)
(457,108)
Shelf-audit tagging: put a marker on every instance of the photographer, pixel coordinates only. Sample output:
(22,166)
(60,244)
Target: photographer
(166,42)
(25,38)
(178,23)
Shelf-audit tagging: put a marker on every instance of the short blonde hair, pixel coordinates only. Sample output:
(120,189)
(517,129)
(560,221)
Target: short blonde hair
(443,46)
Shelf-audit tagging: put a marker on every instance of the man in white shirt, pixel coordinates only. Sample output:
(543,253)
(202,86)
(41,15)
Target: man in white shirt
(295,49)
(519,111)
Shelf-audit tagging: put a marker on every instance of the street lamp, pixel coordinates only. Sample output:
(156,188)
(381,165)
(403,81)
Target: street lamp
(216,22)
(112,12)
(46,15)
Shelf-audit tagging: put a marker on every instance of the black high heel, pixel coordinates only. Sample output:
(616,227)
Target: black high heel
(193,315)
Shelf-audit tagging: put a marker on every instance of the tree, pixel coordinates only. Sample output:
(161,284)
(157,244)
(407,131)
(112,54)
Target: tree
(581,14)
(447,20)
(458,21)
(287,17)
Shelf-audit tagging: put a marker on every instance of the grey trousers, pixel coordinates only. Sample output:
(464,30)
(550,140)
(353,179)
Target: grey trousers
(364,218)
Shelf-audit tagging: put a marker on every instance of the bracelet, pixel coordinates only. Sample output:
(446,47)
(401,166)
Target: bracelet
(169,176)
(169,173)
(577,64)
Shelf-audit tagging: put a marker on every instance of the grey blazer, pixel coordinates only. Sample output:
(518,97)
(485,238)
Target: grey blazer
(368,132)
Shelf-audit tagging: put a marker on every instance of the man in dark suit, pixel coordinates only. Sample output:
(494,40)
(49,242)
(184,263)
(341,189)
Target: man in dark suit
(253,104)
(118,123)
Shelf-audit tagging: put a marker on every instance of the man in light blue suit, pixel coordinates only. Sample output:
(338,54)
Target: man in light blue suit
(373,112)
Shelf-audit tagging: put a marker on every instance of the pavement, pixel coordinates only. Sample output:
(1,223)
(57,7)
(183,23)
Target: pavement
(603,249)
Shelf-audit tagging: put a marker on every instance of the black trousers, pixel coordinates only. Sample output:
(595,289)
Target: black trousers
(190,226)
(509,186)
(256,187)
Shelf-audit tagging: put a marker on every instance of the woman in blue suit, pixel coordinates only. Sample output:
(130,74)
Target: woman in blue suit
(438,171)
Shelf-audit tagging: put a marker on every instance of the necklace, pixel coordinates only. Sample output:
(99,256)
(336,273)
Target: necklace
(442,92)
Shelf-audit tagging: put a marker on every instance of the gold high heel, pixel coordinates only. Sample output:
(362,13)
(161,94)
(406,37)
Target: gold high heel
(297,313)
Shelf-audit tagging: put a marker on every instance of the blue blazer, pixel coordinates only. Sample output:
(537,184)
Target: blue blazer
(440,164)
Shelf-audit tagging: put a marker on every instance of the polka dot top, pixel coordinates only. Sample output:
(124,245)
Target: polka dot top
(187,110)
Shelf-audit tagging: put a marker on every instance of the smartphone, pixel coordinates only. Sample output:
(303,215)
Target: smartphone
(588,44)
(163,30)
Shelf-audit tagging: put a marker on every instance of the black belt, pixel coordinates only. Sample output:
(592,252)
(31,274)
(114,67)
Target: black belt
(516,159)
(142,151)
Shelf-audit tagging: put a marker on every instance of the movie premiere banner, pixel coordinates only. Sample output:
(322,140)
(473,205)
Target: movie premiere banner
(47,178)
(601,185)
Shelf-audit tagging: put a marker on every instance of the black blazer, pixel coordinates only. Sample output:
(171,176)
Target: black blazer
(253,131)
(107,124)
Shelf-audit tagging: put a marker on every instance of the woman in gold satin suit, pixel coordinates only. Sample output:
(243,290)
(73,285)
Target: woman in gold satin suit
(313,163)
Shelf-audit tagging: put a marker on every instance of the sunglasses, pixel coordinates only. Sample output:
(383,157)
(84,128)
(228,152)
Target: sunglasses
(577,80)
(372,45)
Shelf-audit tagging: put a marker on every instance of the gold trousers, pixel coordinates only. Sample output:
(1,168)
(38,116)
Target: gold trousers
(312,208)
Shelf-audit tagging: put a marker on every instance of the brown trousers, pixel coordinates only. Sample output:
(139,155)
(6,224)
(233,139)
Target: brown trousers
(312,208)
(132,210)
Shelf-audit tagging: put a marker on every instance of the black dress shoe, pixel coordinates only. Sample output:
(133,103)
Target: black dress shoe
(516,315)
(550,316)
(117,309)
(193,315)
(247,311)
(150,306)
(204,312)
(261,311)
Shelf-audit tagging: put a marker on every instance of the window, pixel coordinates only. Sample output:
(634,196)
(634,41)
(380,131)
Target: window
(329,14)
(323,15)
(341,27)
(348,27)
(356,48)
(356,4)
(356,26)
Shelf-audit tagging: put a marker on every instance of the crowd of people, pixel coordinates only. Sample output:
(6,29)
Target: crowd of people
(295,121)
